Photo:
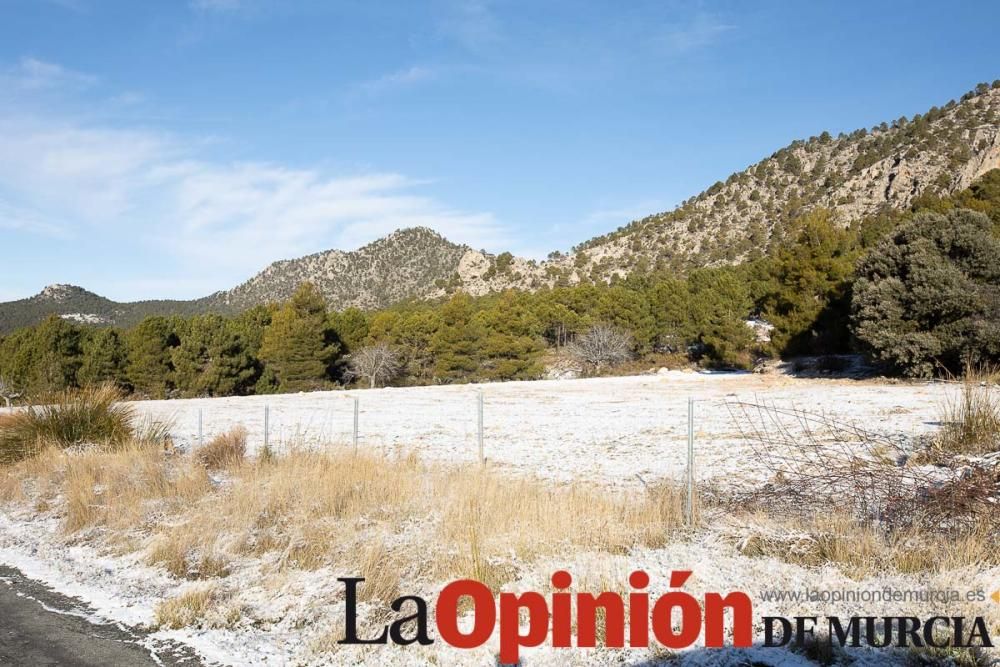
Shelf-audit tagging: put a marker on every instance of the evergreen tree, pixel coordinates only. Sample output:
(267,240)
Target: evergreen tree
(149,366)
(212,359)
(511,347)
(809,298)
(299,346)
(928,296)
(57,355)
(670,305)
(351,326)
(456,345)
(104,358)
(720,303)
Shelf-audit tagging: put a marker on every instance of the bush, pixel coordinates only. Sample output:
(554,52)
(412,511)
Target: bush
(928,297)
(602,345)
(94,415)
(223,451)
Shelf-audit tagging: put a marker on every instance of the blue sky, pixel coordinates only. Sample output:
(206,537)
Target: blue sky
(172,148)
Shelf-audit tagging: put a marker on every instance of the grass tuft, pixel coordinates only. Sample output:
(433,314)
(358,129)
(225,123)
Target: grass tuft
(224,451)
(91,416)
(971,421)
(862,550)
(185,610)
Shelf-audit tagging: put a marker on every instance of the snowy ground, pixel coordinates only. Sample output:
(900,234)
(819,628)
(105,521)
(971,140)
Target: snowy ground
(606,430)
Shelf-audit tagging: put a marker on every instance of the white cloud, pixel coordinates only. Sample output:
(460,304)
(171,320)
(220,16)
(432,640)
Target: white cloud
(212,220)
(701,31)
(32,74)
(16,219)
(472,23)
(402,78)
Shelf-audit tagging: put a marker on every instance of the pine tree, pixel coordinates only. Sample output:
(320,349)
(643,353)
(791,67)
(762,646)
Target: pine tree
(808,300)
(212,359)
(104,358)
(299,346)
(57,355)
(512,345)
(351,326)
(720,303)
(149,367)
(456,345)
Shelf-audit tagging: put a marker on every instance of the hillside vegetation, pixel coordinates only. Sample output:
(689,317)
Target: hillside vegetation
(853,176)
(937,261)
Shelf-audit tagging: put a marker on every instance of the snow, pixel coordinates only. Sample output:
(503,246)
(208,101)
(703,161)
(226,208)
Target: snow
(605,430)
(85,318)
(602,430)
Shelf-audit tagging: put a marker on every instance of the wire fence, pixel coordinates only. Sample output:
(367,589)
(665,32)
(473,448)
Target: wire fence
(567,436)
(607,437)
(617,431)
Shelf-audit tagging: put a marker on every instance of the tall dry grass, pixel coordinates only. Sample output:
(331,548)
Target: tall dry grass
(971,420)
(378,517)
(225,450)
(130,488)
(93,416)
(314,509)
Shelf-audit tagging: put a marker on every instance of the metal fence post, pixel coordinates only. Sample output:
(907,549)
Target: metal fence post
(267,426)
(479,425)
(690,463)
(355,424)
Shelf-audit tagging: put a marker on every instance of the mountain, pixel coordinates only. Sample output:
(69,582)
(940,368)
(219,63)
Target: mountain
(409,263)
(78,305)
(854,175)
(414,263)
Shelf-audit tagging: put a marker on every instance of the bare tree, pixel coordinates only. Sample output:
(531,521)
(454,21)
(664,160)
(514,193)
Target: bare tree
(602,345)
(7,391)
(377,363)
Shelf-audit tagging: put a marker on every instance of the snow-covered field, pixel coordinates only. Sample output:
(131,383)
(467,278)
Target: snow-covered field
(606,430)
(601,430)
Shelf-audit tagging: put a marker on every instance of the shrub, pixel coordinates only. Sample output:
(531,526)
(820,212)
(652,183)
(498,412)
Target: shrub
(224,451)
(94,415)
(928,296)
(819,465)
(602,345)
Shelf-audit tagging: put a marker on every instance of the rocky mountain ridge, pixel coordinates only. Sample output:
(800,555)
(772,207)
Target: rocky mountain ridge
(854,175)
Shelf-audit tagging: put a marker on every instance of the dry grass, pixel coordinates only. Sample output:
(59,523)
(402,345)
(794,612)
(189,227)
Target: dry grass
(224,451)
(131,488)
(315,509)
(860,550)
(860,500)
(185,610)
(367,515)
(949,656)
(91,416)
(971,422)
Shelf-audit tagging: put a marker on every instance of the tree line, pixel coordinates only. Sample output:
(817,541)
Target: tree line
(919,291)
